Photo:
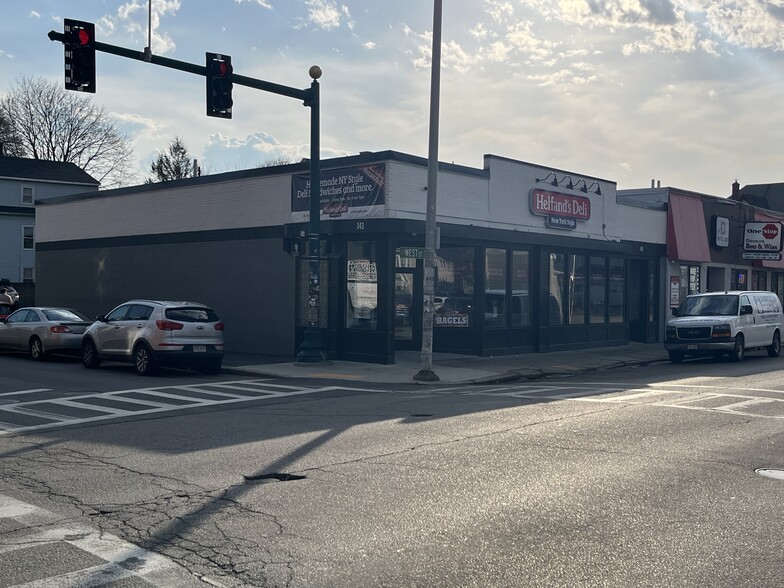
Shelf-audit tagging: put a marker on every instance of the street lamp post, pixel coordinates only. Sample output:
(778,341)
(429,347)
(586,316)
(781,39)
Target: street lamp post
(313,349)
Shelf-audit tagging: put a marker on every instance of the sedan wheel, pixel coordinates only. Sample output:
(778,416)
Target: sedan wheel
(37,349)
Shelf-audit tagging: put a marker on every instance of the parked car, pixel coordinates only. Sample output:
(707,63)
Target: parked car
(9,295)
(150,333)
(43,330)
(5,310)
(718,323)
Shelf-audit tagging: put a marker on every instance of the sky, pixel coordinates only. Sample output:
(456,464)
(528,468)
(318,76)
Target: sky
(686,92)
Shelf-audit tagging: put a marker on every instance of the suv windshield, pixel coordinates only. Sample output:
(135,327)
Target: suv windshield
(709,306)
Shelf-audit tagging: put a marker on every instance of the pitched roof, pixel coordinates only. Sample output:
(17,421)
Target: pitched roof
(770,196)
(44,171)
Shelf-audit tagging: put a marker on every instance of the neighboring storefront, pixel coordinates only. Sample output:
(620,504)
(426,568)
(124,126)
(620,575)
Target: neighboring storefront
(716,244)
(530,259)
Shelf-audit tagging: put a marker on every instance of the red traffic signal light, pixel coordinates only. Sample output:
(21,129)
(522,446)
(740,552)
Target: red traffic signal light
(219,85)
(79,55)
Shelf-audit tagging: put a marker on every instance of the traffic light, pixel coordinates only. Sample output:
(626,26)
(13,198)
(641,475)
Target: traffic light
(219,85)
(79,47)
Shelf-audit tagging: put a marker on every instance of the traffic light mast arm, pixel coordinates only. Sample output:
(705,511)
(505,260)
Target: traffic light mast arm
(305,95)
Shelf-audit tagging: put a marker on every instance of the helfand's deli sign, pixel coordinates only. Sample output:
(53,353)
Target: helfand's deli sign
(562,210)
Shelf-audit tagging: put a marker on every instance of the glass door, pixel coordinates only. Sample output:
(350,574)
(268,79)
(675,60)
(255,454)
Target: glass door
(408,309)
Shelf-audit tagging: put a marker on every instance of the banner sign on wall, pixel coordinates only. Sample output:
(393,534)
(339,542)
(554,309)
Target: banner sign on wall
(351,192)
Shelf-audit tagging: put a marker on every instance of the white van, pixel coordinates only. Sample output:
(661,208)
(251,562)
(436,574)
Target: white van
(718,323)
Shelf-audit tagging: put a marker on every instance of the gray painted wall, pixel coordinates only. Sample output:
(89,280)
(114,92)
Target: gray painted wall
(249,283)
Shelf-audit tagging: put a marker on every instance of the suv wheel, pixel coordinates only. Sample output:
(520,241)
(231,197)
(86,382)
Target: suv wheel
(90,358)
(739,350)
(37,349)
(142,360)
(774,349)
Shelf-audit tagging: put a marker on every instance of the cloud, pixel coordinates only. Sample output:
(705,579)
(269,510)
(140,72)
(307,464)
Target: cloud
(131,18)
(326,15)
(262,3)
(34,14)
(237,153)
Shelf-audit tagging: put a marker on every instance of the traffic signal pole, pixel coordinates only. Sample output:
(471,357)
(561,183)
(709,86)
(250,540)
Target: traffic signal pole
(193,68)
(313,349)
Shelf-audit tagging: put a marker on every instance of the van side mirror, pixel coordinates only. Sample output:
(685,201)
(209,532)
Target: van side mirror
(746,309)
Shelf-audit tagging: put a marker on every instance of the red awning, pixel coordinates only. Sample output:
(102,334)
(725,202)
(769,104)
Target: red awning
(760,217)
(687,235)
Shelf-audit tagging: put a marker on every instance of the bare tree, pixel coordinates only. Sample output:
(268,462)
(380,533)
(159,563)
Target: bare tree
(279,160)
(54,124)
(10,142)
(175,164)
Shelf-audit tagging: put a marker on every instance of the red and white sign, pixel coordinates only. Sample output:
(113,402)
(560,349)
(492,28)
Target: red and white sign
(555,204)
(762,236)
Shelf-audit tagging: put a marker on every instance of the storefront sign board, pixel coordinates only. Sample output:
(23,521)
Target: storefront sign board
(762,236)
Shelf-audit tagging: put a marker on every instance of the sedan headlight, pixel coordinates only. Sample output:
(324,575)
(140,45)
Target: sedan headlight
(722,332)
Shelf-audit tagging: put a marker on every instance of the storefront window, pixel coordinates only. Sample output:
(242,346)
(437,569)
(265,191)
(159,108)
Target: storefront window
(578,282)
(521,301)
(597,289)
(557,281)
(777,284)
(362,285)
(303,296)
(617,289)
(690,280)
(454,288)
(495,287)
(759,280)
(716,279)
(739,279)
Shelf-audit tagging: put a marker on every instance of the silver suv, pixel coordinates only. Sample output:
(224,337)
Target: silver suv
(154,332)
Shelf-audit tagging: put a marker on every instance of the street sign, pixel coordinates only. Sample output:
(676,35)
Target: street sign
(411,252)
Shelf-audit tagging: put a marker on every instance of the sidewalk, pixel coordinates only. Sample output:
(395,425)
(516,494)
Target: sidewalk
(457,369)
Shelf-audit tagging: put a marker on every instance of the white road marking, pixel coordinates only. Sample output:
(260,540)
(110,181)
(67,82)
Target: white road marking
(33,391)
(155,401)
(657,394)
(46,527)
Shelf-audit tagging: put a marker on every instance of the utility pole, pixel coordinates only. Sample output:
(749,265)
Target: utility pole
(426,373)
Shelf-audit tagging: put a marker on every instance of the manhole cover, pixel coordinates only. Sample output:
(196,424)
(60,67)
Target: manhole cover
(775,474)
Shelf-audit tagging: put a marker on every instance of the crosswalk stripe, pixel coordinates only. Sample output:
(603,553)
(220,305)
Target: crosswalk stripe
(156,400)
(123,560)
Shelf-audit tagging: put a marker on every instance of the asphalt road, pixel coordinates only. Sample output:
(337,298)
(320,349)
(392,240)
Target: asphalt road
(633,477)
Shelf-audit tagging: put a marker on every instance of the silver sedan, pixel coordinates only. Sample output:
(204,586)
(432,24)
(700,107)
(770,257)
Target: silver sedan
(43,330)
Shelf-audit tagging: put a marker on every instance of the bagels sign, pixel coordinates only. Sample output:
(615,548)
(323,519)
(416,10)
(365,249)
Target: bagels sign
(562,210)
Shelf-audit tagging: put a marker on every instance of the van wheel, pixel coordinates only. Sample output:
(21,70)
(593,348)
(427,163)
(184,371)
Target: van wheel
(739,351)
(774,349)
(675,356)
